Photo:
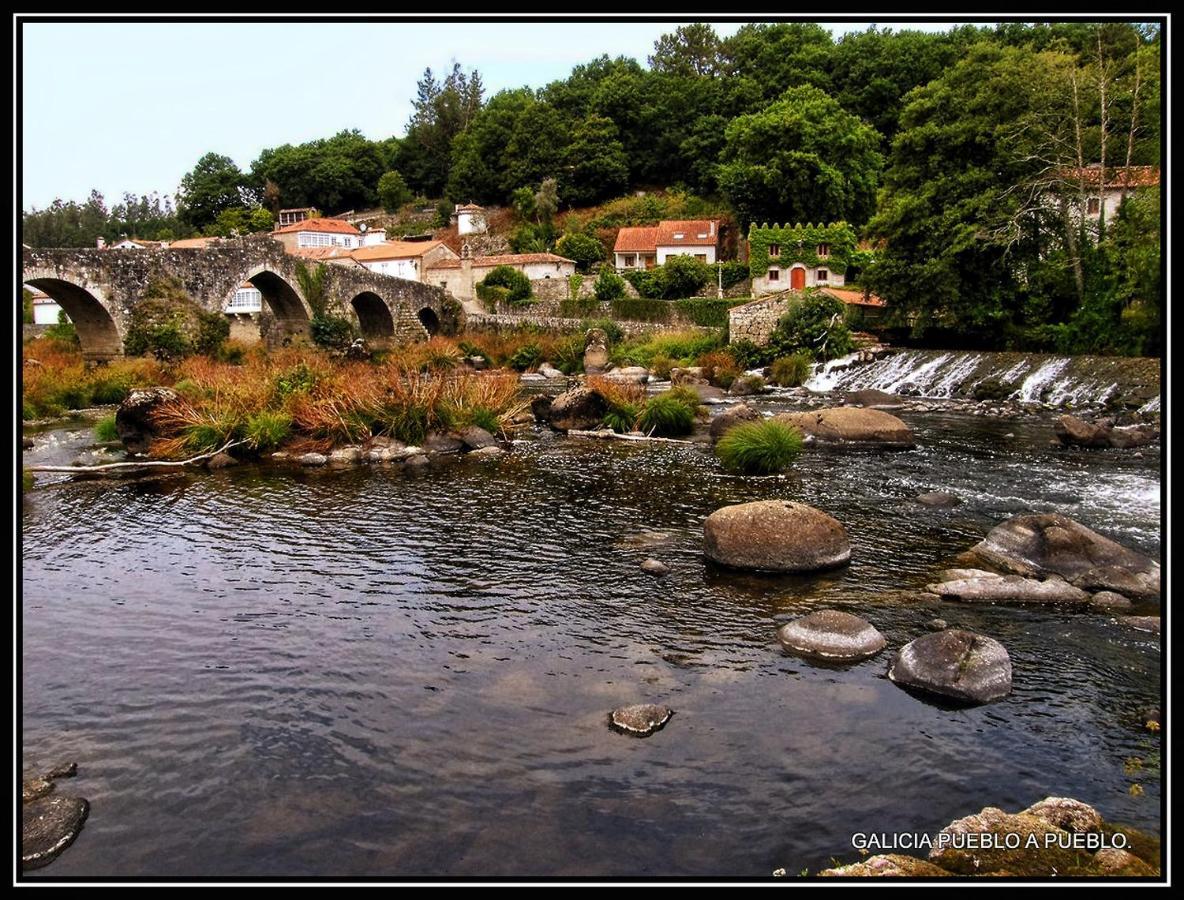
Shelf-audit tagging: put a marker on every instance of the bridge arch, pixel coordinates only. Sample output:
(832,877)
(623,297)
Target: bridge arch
(88,308)
(374,316)
(288,306)
(429,320)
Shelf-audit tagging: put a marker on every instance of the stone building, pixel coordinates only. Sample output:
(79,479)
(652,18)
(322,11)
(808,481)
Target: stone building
(796,257)
(311,233)
(459,276)
(646,247)
(404,259)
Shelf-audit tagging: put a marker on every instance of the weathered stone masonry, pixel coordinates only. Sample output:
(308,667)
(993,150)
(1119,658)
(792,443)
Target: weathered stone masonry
(98,289)
(757,320)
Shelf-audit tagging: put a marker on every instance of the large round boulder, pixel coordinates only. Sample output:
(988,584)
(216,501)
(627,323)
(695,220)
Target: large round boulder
(1053,544)
(135,420)
(849,426)
(775,536)
(731,417)
(1070,430)
(961,665)
(579,409)
(833,635)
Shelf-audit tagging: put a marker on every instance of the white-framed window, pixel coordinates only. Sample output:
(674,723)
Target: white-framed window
(630,260)
(823,251)
(246,300)
(774,274)
(822,276)
(774,250)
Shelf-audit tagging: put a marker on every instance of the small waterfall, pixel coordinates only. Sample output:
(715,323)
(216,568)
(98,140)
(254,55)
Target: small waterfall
(1055,381)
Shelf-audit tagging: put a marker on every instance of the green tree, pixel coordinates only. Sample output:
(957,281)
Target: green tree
(26,306)
(684,276)
(393,191)
(802,158)
(586,250)
(691,50)
(442,110)
(595,166)
(241,220)
(213,185)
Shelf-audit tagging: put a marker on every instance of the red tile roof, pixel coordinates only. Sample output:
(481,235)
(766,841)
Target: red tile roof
(193,243)
(636,240)
(321,252)
(332,226)
(396,250)
(854,298)
(512,259)
(1117,176)
(695,232)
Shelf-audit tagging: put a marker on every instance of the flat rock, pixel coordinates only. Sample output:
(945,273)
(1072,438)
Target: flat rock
(1141,623)
(313,459)
(887,865)
(49,825)
(958,664)
(873,399)
(491,452)
(731,417)
(1009,589)
(1137,585)
(1053,544)
(655,567)
(629,375)
(848,426)
(438,442)
(640,720)
(938,499)
(1109,600)
(831,634)
(775,536)
(476,438)
(959,574)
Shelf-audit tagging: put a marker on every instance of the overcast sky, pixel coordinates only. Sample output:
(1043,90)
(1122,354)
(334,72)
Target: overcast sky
(132,106)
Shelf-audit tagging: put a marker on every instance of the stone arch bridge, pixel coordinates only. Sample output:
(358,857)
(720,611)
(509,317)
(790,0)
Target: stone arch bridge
(99,289)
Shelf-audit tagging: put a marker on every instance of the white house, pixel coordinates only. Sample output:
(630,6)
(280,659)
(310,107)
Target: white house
(45,308)
(403,259)
(459,276)
(470,219)
(1106,192)
(643,248)
(247,299)
(318,233)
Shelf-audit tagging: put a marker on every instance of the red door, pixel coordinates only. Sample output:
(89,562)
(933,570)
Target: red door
(797,279)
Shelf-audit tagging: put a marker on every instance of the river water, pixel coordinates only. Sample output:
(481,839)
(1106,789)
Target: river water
(375,672)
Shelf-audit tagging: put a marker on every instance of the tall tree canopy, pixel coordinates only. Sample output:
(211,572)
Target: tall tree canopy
(214,185)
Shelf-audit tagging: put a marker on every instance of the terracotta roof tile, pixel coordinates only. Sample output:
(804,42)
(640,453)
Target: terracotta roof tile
(854,298)
(321,252)
(1117,177)
(396,250)
(636,240)
(695,232)
(332,226)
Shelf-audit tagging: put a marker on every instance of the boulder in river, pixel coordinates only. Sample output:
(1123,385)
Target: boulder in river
(549,371)
(775,536)
(846,426)
(961,665)
(439,442)
(629,375)
(134,419)
(1053,544)
(221,461)
(1108,600)
(49,823)
(1009,589)
(475,437)
(939,499)
(540,406)
(1149,624)
(313,459)
(641,719)
(887,865)
(1071,430)
(833,635)
(655,567)
(579,409)
(1066,813)
(747,385)
(731,417)
(873,399)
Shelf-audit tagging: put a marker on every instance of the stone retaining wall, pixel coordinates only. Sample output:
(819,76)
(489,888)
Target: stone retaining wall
(757,320)
(502,323)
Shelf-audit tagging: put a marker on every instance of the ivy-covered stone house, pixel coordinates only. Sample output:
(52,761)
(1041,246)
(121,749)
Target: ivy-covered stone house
(796,257)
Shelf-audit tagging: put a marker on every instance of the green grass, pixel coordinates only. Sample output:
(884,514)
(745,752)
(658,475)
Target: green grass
(105,430)
(268,429)
(667,414)
(759,448)
(791,371)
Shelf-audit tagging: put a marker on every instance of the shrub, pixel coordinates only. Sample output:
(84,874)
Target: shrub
(63,332)
(647,282)
(638,309)
(609,286)
(584,249)
(660,366)
(300,379)
(392,191)
(815,323)
(791,371)
(733,272)
(267,429)
(526,357)
(332,332)
(684,276)
(516,283)
(568,354)
(575,281)
(759,448)
(212,331)
(747,354)
(573,308)
(105,430)
(668,414)
(719,367)
(704,311)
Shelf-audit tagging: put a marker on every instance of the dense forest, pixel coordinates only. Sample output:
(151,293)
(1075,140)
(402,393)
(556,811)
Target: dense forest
(956,156)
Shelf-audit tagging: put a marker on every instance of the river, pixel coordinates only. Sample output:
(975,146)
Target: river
(378,672)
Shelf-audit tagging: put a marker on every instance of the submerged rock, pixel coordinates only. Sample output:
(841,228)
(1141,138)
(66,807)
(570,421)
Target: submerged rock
(831,634)
(848,426)
(491,452)
(938,499)
(1053,544)
(873,399)
(221,461)
(49,825)
(731,417)
(775,536)
(580,409)
(655,567)
(313,459)
(1141,623)
(961,665)
(1009,589)
(640,720)
(134,419)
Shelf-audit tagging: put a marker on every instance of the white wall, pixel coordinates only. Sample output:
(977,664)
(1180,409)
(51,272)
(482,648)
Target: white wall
(763,285)
(470,223)
(46,313)
(396,268)
(664,253)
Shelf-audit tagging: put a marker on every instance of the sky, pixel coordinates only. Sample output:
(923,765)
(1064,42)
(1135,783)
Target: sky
(130,107)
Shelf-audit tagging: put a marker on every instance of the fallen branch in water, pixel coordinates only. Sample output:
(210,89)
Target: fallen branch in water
(608,433)
(136,465)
